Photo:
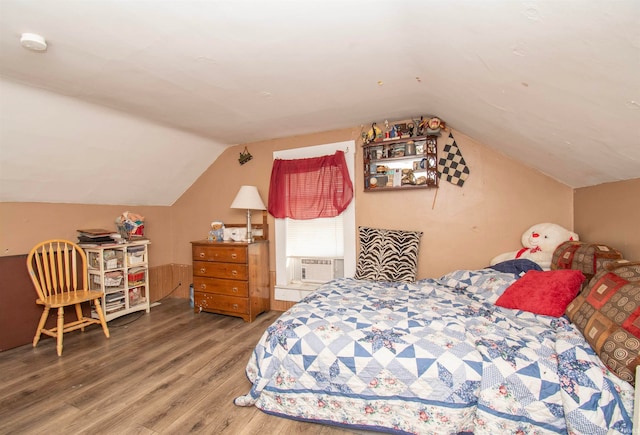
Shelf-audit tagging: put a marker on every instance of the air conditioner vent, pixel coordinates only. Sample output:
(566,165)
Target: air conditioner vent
(320,269)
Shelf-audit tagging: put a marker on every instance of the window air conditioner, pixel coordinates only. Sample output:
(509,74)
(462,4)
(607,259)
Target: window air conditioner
(320,269)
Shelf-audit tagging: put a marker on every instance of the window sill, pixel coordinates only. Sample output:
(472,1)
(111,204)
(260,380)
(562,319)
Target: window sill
(294,292)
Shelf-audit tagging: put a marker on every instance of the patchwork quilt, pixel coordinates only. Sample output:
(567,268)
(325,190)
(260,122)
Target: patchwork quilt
(433,357)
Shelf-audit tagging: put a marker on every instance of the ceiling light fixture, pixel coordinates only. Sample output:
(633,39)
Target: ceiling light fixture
(34,42)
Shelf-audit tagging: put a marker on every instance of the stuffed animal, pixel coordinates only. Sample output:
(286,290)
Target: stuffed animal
(217,232)
(538,243)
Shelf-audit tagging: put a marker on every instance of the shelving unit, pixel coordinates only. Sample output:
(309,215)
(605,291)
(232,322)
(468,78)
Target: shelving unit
(122,273)
(401,163)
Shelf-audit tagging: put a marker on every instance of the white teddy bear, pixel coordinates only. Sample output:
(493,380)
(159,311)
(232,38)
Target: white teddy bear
(539,242)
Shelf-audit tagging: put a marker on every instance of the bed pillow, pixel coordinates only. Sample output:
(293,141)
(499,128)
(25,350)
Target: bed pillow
(388,255)
(548,292)
(607,312)
(518,266)
(588,258)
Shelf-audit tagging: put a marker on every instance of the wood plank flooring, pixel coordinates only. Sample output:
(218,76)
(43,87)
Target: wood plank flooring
(167,372)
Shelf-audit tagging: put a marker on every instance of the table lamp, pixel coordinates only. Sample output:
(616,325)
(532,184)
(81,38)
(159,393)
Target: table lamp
(248,198)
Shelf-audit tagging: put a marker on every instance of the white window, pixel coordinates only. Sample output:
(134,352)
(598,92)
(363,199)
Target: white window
(309,252)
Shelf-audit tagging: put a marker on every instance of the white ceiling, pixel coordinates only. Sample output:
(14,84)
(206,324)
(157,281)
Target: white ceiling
(555,84)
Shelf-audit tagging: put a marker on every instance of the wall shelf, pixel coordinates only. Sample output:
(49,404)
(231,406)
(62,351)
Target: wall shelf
(401,164)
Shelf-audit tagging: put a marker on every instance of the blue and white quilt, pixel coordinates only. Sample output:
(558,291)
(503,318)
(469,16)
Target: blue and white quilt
(434,357)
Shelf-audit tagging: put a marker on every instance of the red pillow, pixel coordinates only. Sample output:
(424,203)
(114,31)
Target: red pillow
(548,292)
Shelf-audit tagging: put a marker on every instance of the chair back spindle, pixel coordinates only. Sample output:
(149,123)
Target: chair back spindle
(56,266)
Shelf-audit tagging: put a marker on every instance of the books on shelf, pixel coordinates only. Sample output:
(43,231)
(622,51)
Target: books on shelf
(95,232)
(114,297)
(97,236)
(114,301)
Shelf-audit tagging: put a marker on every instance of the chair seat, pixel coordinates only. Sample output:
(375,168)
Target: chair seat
(64,299)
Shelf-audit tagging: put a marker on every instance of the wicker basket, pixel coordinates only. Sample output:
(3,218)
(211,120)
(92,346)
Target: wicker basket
(131,232)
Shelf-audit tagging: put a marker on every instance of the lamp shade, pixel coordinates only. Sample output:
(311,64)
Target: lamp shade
(248,198)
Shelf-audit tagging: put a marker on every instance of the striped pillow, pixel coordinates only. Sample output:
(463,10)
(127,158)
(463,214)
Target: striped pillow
(388,255)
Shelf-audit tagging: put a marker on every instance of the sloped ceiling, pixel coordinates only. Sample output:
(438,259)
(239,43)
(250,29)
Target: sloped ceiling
(555,84)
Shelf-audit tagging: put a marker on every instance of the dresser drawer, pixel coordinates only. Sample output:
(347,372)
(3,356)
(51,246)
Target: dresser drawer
(220,270)
(213,302)
(224,254)
(221,286)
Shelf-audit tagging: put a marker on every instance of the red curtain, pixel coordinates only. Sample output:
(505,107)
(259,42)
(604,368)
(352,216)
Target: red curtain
(310,188)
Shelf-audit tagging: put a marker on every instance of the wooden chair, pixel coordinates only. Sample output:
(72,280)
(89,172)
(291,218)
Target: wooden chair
(58,269)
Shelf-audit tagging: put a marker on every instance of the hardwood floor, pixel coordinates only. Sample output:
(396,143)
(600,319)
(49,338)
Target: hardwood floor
(169,371)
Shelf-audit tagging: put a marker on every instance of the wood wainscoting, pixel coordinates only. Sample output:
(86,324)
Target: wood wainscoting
(170,279)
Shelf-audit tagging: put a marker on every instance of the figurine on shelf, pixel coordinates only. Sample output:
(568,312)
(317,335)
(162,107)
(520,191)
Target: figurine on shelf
(408,177)
(374,134)
(430,127)
(393,133)
(434,126)
(421,180)
(421,126)
(389,132)
(402,130)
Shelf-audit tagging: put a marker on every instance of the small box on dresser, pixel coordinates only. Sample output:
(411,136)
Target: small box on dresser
(231,278)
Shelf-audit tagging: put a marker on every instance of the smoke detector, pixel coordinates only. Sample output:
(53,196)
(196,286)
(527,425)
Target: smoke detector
(34,42)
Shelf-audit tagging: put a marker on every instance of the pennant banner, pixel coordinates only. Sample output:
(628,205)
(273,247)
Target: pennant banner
(451,166)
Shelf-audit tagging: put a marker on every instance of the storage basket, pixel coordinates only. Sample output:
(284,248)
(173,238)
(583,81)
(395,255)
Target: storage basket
(111,279)
(129,232)
(136,296)
(136,276)
(135,257)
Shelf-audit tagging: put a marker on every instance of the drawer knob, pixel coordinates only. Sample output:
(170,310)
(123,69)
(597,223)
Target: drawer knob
(202,255)
(234,289)
(234,255)
(234,272)
(235,306)
(203,270)
(203,286)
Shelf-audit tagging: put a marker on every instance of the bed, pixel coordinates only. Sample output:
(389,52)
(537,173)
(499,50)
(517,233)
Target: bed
(438,356)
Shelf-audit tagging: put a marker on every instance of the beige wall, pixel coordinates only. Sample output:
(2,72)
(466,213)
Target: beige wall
(22,225)
(463,227)
(209,198)
(610,213)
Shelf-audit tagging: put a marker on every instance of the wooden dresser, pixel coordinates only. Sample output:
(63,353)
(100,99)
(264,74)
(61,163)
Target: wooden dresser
(231,278)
